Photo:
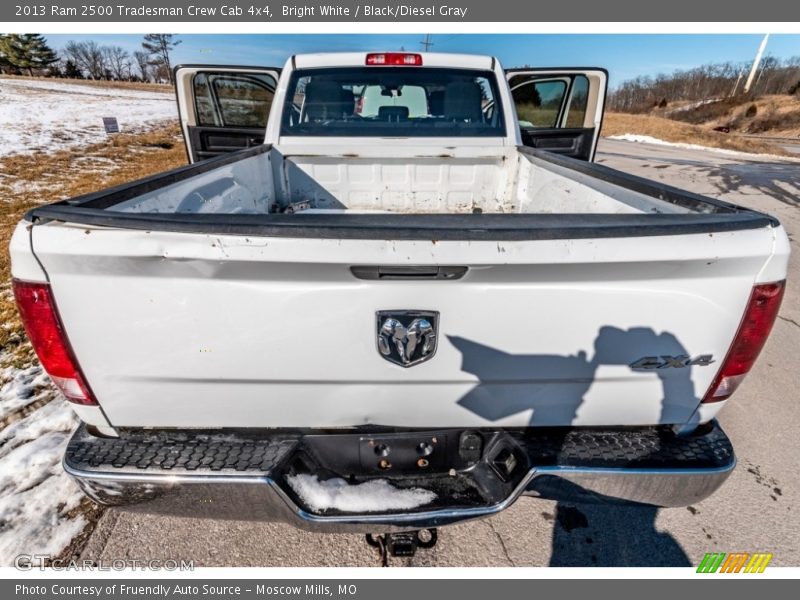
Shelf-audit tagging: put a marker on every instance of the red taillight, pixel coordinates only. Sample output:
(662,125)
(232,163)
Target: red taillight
(44,328)
(395,59)
(759,316)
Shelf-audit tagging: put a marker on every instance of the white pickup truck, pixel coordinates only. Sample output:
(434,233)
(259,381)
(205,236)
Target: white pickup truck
(392,292)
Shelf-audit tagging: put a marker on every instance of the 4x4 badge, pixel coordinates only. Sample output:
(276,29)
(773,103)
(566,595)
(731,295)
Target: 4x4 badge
(649,363)
(407,337)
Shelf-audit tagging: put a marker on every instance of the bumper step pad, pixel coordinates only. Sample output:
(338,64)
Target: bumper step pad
(173,453)
(644,448)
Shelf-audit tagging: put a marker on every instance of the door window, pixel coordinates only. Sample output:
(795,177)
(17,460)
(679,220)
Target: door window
(547,102)
(578,101)
(233,100)
(539,102)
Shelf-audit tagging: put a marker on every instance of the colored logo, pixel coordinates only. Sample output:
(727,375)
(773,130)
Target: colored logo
(736,562)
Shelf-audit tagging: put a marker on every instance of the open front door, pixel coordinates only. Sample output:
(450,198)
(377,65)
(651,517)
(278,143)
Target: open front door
(560,110)
(223,109)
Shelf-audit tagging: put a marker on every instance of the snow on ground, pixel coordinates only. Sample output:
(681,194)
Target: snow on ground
(646,139)
(35,492)
(370,496)
(693,105)
(20,388)
(50,115)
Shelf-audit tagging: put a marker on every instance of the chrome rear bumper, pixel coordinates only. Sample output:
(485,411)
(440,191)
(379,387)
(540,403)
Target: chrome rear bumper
(686,471)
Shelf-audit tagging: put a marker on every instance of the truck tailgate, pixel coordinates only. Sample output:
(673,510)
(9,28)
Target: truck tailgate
(200,330)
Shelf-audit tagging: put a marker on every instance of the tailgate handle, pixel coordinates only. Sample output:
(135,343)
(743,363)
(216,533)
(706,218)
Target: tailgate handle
(407,273)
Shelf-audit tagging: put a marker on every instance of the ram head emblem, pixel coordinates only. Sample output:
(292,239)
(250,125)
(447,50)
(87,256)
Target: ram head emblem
(407,337)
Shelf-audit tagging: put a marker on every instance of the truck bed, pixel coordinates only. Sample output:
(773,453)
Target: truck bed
(424,180)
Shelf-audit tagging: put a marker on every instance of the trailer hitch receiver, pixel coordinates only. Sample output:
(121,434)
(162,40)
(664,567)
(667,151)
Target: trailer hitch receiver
(404,543)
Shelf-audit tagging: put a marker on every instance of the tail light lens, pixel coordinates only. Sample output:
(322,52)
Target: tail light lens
(46,332)
(759,316)
(395,59)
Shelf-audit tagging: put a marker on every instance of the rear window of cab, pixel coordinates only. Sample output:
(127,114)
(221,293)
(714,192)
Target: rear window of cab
(392,102)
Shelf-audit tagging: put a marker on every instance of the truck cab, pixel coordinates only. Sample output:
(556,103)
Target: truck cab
(226,109)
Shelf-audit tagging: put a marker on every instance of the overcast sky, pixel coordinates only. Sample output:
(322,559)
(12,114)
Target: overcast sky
(625,56)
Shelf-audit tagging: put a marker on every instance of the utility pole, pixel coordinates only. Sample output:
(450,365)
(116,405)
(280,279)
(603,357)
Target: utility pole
(756,62)
(427,43)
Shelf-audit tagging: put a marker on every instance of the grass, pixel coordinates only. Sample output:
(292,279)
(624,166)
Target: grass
(704,113)
(775,115)
(546,116)
(100,83)
(31,180)
(687,133)
(751,121)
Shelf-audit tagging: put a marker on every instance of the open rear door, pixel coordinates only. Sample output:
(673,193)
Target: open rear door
(223,109)
(560,109)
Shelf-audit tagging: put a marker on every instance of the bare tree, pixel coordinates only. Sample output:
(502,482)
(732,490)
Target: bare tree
(143,62)
(117,62)
(703,84)
(161,72)
(159,46)
(88,58)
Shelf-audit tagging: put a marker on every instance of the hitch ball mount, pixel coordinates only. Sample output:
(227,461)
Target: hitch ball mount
(404,543)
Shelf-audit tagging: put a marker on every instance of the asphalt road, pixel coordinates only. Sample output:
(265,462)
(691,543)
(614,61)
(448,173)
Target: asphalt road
(756,510)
